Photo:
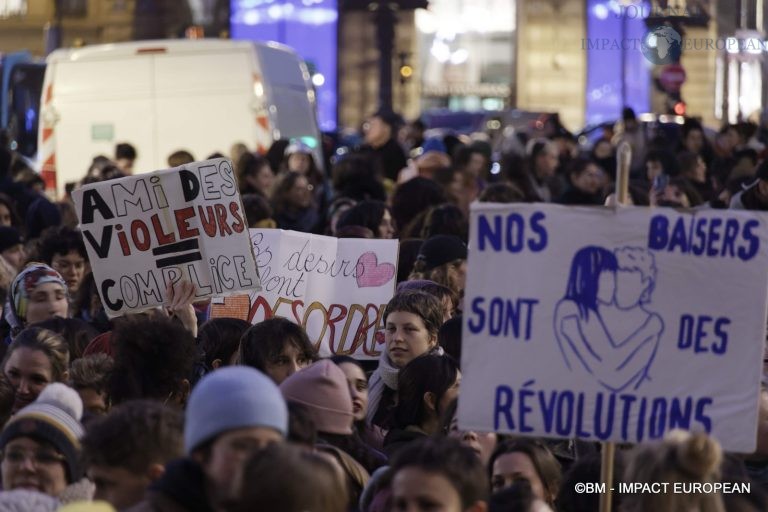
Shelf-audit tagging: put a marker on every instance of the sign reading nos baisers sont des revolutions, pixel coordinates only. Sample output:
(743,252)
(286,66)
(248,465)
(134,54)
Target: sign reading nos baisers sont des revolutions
(614,325)
(147,231)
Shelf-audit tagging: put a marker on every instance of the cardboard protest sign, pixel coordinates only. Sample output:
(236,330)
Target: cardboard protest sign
(335,288)
(614,325)
(146,231)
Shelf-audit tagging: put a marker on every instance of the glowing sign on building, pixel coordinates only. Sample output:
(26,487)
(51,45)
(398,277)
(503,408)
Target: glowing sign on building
(618,74)
(11,8)
(307,26)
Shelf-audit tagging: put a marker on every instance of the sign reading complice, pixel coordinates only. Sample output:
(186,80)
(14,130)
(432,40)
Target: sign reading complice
(614,325)
(335,288)
(147,231)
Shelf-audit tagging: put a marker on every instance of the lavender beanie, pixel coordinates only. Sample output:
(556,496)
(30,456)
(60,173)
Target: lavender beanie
(231,398)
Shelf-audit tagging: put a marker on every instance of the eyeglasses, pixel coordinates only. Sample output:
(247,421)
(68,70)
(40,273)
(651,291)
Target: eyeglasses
(42,457)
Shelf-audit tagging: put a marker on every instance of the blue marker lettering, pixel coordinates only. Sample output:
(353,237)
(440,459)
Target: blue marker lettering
(625,414)
(548,409)
(729,238)
(486,234)
(678,237)
(515,232)
(603,432)
(536,226)
(657,235)
(503,406)
(525,408)
(681,417)
(477,310)
(714,236)
(720,325)
(580,432)
(701,415)
(754,241)
(565,413)
(658,418)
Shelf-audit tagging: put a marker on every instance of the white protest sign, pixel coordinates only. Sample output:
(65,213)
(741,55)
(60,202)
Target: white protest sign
(146,231)
(336,289)
(614,325)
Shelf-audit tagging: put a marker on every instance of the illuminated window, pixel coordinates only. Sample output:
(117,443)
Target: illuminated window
(466,52)
(12,8)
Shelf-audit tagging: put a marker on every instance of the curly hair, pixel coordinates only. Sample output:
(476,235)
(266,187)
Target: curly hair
(134,436)
(153,355)
(60,240)
(91,372)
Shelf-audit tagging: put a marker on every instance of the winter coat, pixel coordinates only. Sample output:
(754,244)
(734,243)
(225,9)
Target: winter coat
(180,489)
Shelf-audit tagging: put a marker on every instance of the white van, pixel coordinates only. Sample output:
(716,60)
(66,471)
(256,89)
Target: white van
(163,96)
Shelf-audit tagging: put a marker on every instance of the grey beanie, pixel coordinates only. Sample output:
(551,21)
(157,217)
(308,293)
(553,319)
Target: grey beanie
(231,398)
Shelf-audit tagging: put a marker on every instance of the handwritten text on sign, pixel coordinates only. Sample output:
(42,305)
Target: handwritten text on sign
(144,232)
(614,325)
(335,288)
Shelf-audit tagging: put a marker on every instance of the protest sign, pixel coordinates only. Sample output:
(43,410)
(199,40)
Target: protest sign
(614,325)
(146,231)
(336,288)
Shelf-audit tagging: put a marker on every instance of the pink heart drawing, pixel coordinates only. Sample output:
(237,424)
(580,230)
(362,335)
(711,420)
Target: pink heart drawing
(370,273)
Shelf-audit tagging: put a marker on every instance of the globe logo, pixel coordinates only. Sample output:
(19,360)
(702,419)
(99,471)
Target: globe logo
(662,45)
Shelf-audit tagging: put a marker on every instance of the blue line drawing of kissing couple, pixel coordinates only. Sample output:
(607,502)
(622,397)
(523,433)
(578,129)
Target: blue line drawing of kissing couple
(602,324)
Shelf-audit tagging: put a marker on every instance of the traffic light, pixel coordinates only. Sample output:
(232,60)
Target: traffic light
(675,105)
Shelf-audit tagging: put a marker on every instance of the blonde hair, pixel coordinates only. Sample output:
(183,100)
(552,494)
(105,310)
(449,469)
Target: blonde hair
(49,343)
(681,458)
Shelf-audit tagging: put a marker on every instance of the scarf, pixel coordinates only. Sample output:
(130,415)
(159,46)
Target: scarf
(385,375)
(22,287)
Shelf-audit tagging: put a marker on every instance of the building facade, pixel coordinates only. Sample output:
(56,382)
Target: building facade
(461,54)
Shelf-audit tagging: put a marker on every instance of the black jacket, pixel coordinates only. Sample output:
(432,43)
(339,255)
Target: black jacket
(398,439)
(180,489)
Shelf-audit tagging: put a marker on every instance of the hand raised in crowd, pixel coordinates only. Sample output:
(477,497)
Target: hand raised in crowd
(178,303)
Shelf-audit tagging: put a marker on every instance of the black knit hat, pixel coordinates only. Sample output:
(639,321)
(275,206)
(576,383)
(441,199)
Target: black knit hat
(9,236)
(53,418)
(441,249)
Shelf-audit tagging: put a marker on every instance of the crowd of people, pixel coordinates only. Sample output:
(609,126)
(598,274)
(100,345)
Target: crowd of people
(168,410)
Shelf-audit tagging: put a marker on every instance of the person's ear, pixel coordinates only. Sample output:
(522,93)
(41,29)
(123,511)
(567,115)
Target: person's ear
(430,400)
(433,340)
(216,364)
(65,376)
(155,471)
(184,389)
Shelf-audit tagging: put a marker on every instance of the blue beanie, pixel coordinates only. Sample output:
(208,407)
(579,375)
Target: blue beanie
(231,398)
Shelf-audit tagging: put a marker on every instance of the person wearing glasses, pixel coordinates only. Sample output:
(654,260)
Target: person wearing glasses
(40,446)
